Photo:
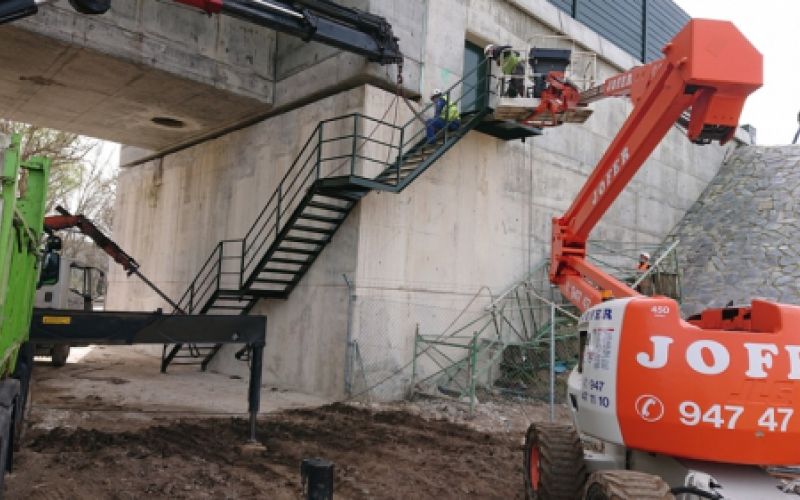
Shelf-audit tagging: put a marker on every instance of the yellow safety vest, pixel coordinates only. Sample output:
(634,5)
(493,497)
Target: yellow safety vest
(509,64)
(449,111)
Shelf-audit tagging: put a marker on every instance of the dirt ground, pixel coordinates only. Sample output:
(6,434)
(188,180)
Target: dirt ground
(87,440)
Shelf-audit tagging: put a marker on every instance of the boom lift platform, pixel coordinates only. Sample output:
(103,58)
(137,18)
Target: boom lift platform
(672,406)
(547,78)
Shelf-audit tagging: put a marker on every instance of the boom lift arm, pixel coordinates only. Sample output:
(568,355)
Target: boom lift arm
(66,220)
(709,68)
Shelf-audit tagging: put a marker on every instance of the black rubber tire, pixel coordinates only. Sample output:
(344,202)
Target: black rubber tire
(91,7)
(561,469)
(24,373)
(59,355)
(6,449)
(626,485)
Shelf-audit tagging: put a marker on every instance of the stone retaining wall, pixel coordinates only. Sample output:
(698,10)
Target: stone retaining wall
(740,239)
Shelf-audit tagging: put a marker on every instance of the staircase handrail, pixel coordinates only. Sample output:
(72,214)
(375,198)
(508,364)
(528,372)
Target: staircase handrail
(281,201)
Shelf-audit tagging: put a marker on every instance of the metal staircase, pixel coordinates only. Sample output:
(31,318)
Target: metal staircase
(343,159)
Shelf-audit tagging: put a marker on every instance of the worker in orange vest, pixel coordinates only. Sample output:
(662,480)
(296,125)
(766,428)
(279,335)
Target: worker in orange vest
(644,262)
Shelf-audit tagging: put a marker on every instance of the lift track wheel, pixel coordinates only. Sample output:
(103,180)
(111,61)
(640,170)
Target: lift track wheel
(553,462)
(626,484)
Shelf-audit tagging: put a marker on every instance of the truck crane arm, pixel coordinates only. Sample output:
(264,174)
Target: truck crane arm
(66,221)
(321,21)
(87,227)
(709,68)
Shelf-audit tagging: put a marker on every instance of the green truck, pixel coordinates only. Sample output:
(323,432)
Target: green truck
(23,190)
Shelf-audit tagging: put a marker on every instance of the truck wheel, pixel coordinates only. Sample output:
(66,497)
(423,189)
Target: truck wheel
(554,468)
(59,354)
(22,372)
(9,392)
(625,485)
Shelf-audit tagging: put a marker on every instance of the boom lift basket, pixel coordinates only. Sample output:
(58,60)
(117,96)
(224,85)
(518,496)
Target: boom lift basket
(543,61)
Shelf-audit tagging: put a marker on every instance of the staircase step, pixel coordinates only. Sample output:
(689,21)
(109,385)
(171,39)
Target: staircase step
(233,296)
(280,271)
(227,308)
(321,218)
(237,298)
(273,281)
(328,206)
(308,241)
(312,229)
(297,250)
(393,175)
(282,260)
(393,172)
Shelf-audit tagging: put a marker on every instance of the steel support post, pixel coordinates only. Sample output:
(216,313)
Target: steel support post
(354,151)
(348,362)
(414,361)
(552,362)
(473,364)
(254,389)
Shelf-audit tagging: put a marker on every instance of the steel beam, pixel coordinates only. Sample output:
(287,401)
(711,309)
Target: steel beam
(57,326)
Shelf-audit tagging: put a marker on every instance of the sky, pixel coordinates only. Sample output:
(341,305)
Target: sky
(773,27)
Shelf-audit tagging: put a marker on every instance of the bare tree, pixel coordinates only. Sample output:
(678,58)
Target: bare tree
(79,181)
(67,153)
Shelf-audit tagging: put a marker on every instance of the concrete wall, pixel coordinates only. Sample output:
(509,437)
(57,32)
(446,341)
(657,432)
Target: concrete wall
(474,223)
(481,217)
(108,76)
(171,214)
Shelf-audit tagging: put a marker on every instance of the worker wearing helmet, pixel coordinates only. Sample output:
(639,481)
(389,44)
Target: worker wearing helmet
(511,65)
(644,262)
(445,115)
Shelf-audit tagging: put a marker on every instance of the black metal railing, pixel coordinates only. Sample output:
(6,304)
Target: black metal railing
(357,149)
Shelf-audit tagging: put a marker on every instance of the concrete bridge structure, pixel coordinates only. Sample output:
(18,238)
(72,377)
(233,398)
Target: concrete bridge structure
(214,111)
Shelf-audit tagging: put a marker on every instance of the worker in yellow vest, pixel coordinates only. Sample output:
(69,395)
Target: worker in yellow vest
(445,115)
(512,66)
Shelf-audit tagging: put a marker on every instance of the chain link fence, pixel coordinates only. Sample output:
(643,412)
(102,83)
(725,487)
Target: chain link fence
(492,347)
(521,346)
(518,345)
(381,347)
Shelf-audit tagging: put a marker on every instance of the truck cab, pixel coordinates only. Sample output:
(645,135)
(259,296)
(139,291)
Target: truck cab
(75,286)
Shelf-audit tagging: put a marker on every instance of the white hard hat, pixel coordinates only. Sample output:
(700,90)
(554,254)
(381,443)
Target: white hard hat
(436,91)
(645,255)
(488,50)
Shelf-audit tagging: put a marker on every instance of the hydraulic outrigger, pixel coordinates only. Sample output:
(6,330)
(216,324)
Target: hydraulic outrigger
(54,326)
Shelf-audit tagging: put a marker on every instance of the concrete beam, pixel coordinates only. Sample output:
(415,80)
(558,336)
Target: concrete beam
(109,76)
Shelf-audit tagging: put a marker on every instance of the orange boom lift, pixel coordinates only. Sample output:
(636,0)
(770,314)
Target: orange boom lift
(687,406)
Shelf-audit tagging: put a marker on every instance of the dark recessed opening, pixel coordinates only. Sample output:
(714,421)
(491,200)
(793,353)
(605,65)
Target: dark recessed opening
(166,121)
